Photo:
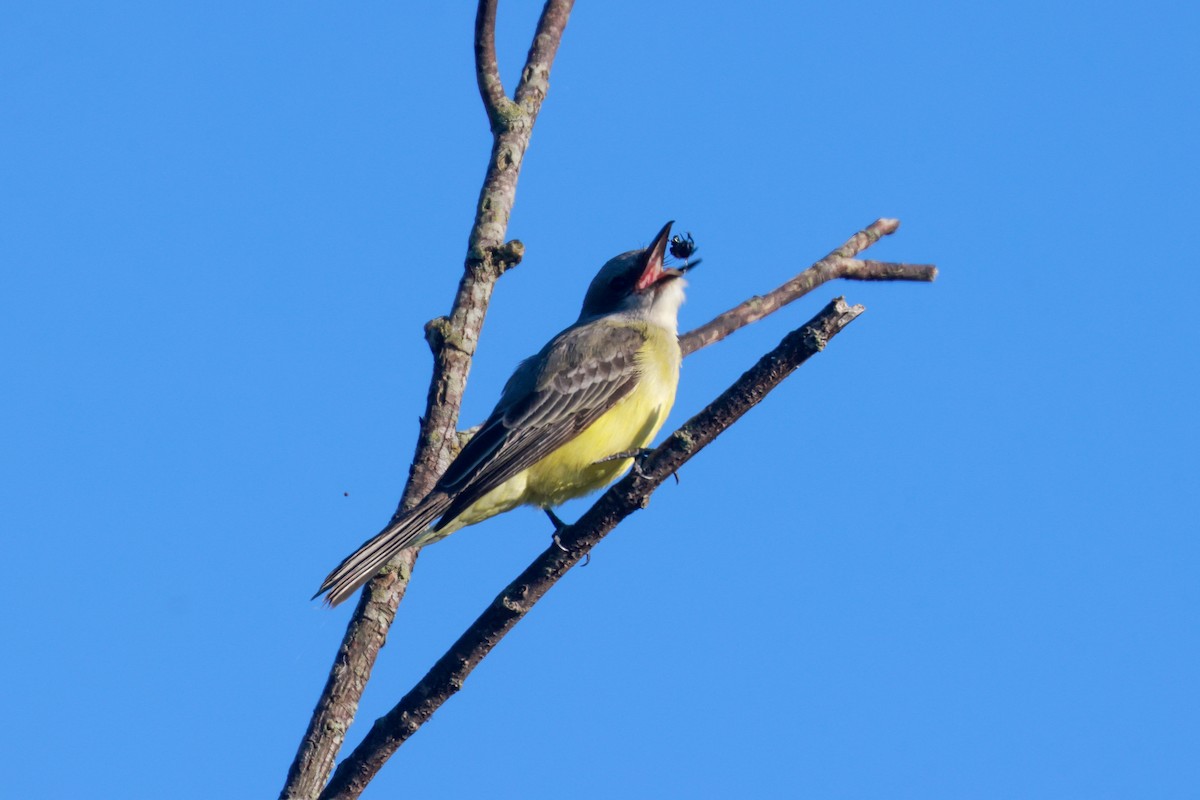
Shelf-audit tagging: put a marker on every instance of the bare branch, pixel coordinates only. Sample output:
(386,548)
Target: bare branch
(351,669)
(535,77)
(453,340)
(487,70)
(838,264)
(447,676)
(865,270)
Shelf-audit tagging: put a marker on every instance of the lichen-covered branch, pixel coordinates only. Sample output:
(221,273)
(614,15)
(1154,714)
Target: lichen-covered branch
(453,340)
(447,676)
(838,264)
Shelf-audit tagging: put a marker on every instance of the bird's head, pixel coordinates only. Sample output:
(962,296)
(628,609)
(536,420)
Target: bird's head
(638,285)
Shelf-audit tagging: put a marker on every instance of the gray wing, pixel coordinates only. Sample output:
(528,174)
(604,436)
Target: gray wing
(548,401)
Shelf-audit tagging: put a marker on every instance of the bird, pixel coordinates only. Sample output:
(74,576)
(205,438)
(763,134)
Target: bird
(568,420)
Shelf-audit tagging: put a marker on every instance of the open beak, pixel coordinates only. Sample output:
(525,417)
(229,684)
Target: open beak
(653,272)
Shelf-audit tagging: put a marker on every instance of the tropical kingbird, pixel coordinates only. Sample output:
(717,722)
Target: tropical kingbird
(601,388)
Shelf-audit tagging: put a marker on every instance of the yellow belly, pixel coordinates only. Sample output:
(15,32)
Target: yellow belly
(572,470)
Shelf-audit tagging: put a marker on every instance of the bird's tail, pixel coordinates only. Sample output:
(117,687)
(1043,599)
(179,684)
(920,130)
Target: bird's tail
(361,565)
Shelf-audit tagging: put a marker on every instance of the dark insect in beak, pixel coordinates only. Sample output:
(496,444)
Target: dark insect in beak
(683,247)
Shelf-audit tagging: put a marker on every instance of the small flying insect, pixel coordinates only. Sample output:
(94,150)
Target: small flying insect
(684,247)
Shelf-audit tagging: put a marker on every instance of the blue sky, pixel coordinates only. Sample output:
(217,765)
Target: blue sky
(954,556)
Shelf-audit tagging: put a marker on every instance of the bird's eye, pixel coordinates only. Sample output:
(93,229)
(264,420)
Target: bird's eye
(622,282)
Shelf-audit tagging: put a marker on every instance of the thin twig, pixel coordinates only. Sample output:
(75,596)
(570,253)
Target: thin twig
(487,70)
(838,264)
(446,677)
(453,340)
(535,78)
(865,270)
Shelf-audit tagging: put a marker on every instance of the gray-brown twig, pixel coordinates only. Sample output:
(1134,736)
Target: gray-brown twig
(487,69)
(446,676)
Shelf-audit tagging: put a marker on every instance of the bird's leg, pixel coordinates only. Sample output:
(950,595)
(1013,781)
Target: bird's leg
(558,526)
(556,522)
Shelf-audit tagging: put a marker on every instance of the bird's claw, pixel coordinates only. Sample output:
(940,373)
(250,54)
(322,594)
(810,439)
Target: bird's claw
(587,557)
(639,456)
